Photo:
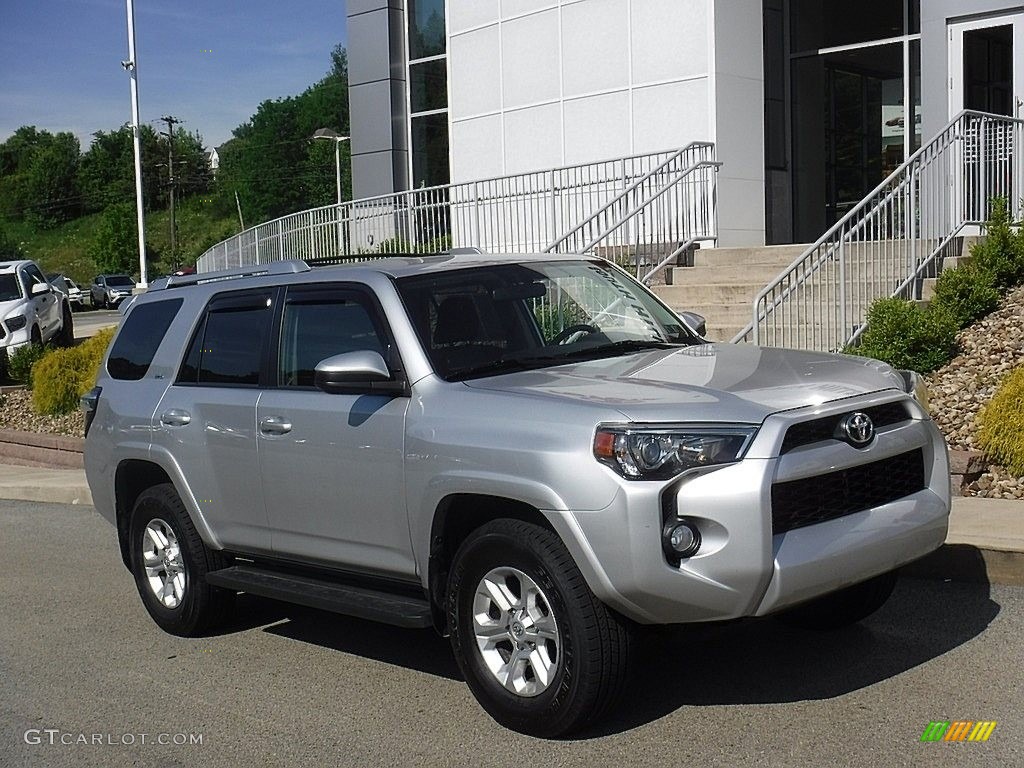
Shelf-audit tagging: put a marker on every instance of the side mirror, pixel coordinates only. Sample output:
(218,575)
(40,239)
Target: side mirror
(38,289)
(356,372)
(696,322)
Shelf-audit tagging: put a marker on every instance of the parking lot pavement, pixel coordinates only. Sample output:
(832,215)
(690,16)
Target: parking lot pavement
(81,661)
(87,323)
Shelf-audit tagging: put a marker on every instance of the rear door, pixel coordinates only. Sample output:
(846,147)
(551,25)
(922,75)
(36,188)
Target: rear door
(331,465)
(207,418)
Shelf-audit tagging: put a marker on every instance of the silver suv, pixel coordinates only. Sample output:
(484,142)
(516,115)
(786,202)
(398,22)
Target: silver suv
(531,455)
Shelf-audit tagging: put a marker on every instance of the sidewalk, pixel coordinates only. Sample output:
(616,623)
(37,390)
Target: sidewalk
(985,541)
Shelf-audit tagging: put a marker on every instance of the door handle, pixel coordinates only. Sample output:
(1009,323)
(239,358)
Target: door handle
(275,425)
(175,417)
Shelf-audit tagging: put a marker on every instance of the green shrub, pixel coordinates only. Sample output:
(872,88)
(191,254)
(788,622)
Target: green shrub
(1002,251)
(19,367)
(966,293)
(905,336)
(62,376)
(1001,423)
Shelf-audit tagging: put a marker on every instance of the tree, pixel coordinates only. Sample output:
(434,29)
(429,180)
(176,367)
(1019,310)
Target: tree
(271,162)
(116,247)
(51,181)
(9,250)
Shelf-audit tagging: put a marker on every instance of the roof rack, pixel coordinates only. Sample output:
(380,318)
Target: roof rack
(254,270)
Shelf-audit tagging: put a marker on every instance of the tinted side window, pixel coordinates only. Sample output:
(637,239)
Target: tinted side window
(141,334)
(322,323)
(229,347)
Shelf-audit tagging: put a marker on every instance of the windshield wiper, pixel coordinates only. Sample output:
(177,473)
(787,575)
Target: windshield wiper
(624,346)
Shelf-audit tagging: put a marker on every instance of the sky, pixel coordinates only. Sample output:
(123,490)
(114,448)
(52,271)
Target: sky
(207,63)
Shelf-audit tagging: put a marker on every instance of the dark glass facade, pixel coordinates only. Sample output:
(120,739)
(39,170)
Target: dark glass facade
(842,106)
(428,92)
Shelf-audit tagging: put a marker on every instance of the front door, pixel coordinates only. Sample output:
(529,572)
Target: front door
(332,465)
(986,69)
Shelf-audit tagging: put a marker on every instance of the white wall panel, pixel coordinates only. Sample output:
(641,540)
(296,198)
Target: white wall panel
(670,115)
(466,14)
(473,64)
(669,39)
(476,149)
(595,55)
(516,7)
(597,127)
(533,138)
(530,59)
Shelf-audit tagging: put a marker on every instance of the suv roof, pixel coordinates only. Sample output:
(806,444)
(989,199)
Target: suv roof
(10,266)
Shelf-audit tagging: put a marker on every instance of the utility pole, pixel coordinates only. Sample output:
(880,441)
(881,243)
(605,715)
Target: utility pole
(131,68)
(171,122)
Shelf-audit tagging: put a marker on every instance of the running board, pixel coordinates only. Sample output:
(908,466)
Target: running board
(363,603)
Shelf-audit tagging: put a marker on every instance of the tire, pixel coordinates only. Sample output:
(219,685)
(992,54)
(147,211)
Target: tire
(194,607)
(843,608)
(578,644)
(36,336)
(66,337)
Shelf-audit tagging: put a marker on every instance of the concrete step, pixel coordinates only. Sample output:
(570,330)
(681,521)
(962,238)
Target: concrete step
(781,255)
(745,274)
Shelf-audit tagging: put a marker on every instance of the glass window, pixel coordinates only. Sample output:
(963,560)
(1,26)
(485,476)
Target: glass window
(9,287)
(143,331)
(428,85)
(485,320)
(120,280)
(229,347)
(430,150)
(320,324)
(819,24)
(426,28)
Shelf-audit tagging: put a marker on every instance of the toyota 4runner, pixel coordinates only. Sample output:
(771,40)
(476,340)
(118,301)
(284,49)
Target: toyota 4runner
(533,455)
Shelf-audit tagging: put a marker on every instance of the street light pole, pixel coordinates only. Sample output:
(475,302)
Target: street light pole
(337,138)
(131,68)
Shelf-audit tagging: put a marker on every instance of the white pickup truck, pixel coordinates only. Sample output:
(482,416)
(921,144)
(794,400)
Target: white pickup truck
(32,311)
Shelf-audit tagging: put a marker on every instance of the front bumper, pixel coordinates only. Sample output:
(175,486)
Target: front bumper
(742,568)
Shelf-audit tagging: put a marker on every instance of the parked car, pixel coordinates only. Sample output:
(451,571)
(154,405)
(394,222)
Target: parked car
(31,310)
(107,291)
(533,456)
(68,287)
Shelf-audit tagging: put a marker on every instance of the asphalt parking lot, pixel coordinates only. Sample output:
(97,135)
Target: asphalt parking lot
(289,686)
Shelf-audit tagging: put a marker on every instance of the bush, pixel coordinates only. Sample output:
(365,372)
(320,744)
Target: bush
(1001,423)
(1001,253)
(19,367)
(64,375)
(905,336)
(966,293)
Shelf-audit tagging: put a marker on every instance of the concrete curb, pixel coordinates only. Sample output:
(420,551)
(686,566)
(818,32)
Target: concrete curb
(56,486)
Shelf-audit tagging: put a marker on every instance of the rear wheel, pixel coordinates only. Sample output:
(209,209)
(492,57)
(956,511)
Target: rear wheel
(843,608)
(67,330)
(539,651)
(170,563)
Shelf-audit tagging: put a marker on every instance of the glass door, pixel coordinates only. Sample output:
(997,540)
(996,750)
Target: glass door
(986,65)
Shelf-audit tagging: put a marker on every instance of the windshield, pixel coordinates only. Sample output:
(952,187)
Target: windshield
(120,280)
(9,289)
(485,320)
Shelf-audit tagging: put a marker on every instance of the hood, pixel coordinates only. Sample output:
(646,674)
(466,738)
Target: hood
(737,383)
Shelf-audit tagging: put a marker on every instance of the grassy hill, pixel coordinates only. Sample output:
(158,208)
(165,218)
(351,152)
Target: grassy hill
(65,248)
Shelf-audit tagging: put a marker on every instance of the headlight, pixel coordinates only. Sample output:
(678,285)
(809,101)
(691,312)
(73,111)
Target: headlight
(659,453)
(915,386)
(15,323)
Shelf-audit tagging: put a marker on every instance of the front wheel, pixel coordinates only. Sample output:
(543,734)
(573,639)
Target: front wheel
(170,563)
(843,608)
(540,652)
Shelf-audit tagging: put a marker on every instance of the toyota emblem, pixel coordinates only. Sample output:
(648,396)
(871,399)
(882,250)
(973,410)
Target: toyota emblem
(858,429)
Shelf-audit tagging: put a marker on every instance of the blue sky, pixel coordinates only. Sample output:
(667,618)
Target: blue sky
(60,62)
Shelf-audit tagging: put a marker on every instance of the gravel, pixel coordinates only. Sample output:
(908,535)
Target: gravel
(16,412)
(990,349)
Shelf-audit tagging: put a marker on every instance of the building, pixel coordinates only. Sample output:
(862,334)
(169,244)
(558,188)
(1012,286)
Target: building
(810,103)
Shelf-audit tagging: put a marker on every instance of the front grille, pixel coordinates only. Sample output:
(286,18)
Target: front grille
(825,428)
(813,500)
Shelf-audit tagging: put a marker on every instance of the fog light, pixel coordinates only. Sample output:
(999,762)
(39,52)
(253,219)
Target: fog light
(680,539)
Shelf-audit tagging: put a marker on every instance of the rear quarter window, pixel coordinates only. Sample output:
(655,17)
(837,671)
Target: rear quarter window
(143,331)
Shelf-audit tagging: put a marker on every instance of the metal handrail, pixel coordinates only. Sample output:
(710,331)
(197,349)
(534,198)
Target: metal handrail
(520,213)
(893,238)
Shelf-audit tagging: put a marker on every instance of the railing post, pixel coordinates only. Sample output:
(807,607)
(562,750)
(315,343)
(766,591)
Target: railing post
(842,291)
(477,236)
(280,240)
(552,195)
(982,171)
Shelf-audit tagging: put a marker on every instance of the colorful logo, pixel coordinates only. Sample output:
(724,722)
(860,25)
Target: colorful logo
(959,730)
